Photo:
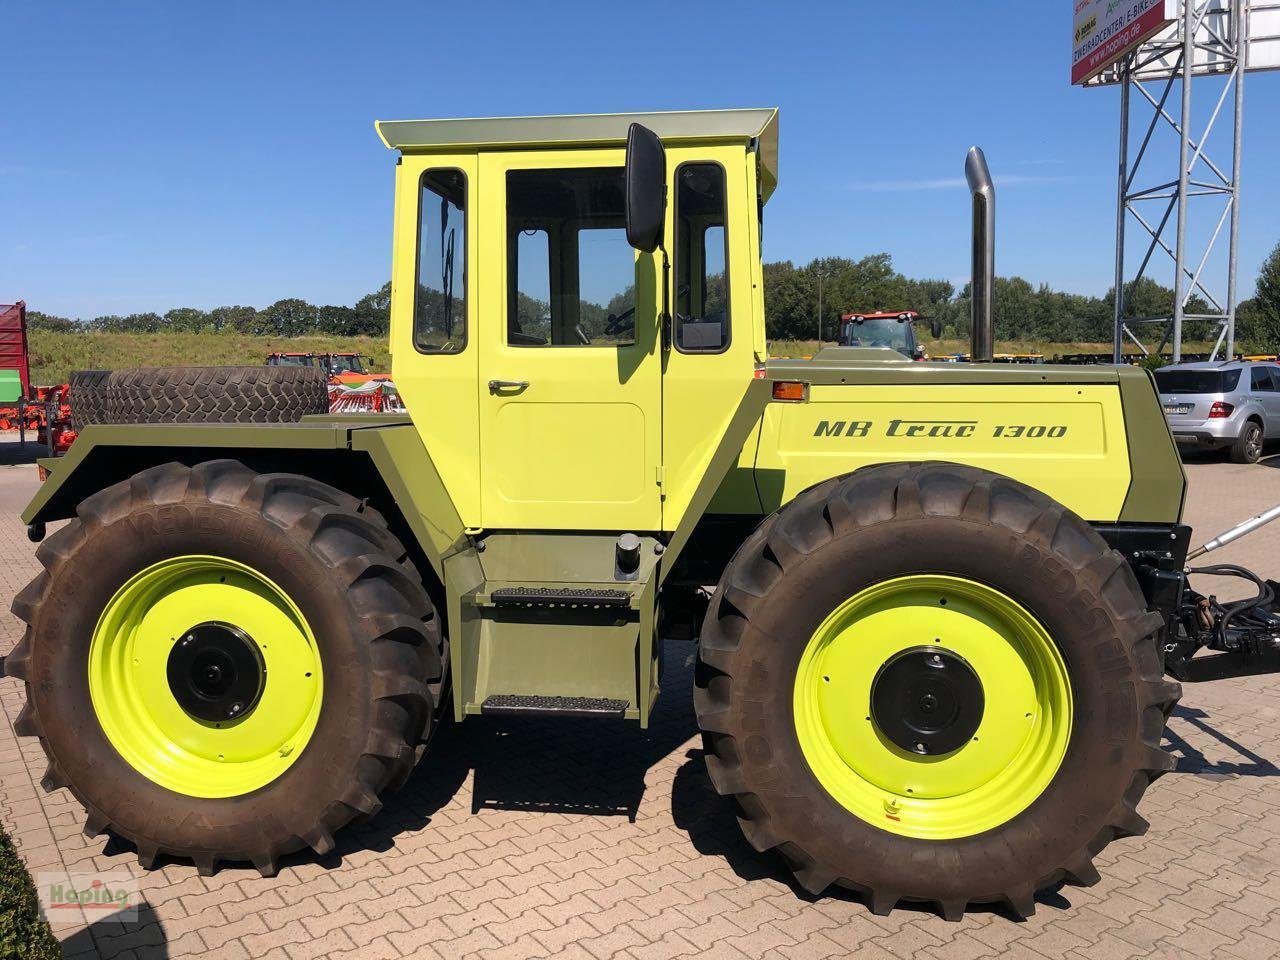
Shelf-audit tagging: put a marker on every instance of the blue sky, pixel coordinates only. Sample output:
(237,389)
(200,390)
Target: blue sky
(161,155)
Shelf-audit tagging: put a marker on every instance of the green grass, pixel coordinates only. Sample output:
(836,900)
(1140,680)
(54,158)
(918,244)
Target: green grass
(55,355)
(24,934)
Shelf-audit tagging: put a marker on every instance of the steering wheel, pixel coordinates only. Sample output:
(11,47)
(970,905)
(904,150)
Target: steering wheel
(616,323)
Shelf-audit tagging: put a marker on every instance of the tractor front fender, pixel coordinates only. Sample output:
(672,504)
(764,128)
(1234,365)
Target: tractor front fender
(380,459)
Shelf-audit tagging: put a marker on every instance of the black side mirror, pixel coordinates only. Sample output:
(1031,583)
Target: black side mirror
(935,328)
(646,188)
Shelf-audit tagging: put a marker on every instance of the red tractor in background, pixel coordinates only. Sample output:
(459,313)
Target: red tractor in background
(892,330)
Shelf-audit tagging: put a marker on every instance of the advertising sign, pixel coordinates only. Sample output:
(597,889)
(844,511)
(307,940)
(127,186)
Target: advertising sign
(1103,31)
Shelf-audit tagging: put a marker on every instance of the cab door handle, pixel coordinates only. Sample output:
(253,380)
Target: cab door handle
(496,386)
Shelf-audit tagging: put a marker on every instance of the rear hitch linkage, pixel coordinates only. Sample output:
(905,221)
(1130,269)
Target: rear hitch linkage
(1205,638)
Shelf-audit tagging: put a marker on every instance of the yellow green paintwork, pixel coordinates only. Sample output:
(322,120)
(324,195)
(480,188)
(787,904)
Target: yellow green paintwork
(1016,750)
(129,687)
(1078,456)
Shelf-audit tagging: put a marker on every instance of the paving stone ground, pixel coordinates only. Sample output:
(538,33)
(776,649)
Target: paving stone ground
(560,839)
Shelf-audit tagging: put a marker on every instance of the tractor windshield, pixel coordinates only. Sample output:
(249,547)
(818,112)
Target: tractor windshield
(345,363)
(880,332)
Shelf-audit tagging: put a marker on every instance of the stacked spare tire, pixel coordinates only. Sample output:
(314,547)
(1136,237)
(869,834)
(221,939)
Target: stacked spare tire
(197,395)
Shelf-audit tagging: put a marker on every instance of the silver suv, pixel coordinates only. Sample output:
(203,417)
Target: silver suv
(1235,404)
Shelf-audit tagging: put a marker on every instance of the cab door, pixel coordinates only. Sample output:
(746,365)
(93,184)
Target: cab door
(570,384)
(716,331)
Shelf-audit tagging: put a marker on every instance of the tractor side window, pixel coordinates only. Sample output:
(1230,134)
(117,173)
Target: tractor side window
(529,317)
(702,273)
(440,304)
(571,273)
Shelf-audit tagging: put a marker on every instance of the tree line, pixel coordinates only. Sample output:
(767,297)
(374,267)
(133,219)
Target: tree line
(290,317)
(1023,311)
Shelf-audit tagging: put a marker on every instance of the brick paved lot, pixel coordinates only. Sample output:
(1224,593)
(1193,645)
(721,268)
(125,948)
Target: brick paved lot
(578,840)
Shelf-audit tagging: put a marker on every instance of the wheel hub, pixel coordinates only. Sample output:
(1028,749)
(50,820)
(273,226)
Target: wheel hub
(216,672)
(927,700)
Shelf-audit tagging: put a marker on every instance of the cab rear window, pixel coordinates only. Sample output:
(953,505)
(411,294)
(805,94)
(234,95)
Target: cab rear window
(1197,381)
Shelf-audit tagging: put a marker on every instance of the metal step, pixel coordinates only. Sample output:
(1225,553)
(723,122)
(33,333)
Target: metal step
(572,597)
(519,705)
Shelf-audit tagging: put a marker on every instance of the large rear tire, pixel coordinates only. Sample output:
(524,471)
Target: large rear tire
(226,665)
(931,683)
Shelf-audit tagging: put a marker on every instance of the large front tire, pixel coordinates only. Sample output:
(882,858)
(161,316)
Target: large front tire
(915,567)
(225,665)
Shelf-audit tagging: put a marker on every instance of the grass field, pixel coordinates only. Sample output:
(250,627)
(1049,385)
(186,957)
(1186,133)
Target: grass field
(55,355)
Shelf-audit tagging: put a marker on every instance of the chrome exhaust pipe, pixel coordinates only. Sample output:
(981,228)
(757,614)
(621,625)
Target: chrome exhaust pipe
(982,286)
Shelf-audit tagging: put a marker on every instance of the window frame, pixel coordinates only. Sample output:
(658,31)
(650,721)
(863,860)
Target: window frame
(556,278)
(417,264)
(701,241)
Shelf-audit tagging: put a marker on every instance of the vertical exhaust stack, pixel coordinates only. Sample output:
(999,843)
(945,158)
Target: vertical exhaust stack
(982,287)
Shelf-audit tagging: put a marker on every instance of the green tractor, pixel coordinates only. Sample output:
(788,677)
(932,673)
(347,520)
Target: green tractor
(934,604)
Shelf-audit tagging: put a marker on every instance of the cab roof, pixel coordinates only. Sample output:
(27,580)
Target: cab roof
(601,129)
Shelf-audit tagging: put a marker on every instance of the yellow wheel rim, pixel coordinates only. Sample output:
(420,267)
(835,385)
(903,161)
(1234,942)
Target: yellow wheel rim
(134,699)
(1014,752)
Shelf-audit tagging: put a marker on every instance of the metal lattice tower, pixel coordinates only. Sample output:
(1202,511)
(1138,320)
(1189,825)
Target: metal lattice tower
(1210,41)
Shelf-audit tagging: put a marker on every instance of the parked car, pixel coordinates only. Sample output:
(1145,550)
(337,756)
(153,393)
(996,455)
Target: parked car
(1234,404)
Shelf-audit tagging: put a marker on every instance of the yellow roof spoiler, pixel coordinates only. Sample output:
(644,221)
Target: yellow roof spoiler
(758,126)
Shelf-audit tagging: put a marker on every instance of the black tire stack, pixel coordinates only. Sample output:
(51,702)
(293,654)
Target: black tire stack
(198,395)
(89,398)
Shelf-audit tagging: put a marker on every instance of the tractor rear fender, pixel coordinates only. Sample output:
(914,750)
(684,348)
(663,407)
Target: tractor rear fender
(380,459)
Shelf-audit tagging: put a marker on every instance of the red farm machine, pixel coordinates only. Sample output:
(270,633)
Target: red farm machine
(353,386)
(43,409)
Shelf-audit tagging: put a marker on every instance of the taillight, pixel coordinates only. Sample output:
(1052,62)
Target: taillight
(1220,410)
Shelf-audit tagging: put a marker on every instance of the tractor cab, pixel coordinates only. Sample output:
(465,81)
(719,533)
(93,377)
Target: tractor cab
(342,363)
(886,331)
(522,304)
